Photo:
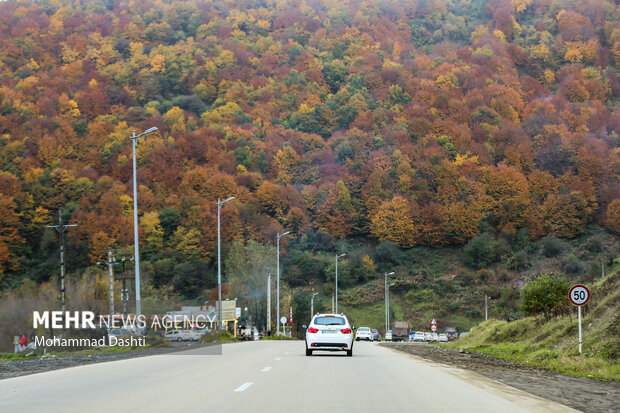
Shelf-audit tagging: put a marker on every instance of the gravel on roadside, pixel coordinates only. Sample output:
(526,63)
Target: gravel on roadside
(584,394)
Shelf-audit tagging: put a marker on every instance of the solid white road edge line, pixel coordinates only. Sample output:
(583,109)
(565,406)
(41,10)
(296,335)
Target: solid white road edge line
(243,387)
(266,369)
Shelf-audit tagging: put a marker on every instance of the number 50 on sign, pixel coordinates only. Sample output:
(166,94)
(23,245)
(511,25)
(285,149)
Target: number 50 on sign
(579,294)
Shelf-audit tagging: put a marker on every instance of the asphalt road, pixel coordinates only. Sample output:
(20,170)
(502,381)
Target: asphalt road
(267,376)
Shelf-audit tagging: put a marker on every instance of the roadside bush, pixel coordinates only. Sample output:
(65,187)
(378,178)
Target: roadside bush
(546,294)
(155,341)
(572,265)
(217,336)
(280,337)
(552,246)
(480,251)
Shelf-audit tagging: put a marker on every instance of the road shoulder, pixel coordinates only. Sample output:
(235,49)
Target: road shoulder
(588,395)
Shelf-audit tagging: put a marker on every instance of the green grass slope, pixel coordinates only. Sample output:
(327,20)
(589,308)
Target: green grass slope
(553,344)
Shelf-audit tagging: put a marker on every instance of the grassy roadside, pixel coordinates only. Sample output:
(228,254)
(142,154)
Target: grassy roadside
(553,344)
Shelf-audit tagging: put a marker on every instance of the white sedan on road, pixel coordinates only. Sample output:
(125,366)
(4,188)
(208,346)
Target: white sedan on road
(364,333)
(419,336)
(330,332)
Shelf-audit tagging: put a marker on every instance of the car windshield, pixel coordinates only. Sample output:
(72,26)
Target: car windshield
(363,329)
(329,321)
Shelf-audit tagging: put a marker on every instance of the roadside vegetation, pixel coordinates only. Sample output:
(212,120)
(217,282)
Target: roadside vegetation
(217,337)
(551,342)
(278,337)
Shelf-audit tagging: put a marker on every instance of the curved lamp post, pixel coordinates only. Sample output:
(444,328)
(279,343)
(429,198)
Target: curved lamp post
(134,139)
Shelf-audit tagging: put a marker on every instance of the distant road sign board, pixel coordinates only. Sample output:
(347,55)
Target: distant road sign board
(433,321)
(283,320)
(434,328)
(579,294)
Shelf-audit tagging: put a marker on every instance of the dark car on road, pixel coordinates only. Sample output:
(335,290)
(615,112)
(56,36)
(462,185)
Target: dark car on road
(376,335)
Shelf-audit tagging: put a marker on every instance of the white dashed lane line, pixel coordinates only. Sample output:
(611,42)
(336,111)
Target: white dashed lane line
(243,387)
(266,369)
(278,358)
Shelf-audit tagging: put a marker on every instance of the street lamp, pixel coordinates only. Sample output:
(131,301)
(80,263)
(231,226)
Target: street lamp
(388,303)
(385,288)
(336,299)
(312,305)
(134,139)
(219,264)
(278,236)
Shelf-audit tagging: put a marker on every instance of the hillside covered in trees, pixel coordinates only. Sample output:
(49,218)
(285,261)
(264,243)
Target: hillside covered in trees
(407,124)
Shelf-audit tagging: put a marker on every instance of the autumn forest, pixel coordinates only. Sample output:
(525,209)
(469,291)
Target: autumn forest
(393,130)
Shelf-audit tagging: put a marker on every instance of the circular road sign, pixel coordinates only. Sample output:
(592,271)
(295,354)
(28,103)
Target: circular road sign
(283,320)
(579,294)
(434,328)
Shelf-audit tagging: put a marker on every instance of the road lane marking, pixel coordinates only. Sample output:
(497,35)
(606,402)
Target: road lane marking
(278,358)
(288,352)
(266,369)
(243,387)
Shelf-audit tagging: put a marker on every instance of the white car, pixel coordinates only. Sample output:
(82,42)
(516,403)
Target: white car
(329,332)
(428,337)
(388,335)
(419,336)
(442,338)
(182,335)
(364,333)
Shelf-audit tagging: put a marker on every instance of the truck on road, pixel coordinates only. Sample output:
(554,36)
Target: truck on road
(400,331)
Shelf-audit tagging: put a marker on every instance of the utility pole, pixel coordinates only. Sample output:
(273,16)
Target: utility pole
(385,293)
(486,311)
(125,291)
(219,264)
(336,299)
(269,301)
(388,303)
(111,273)
(61,231)
(110,263)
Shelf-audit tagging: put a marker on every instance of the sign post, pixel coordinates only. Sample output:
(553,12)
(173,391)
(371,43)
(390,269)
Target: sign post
(283,321)
(433,325)
(579,295)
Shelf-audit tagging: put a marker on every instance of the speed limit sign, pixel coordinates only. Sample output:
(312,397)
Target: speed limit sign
(579,294)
